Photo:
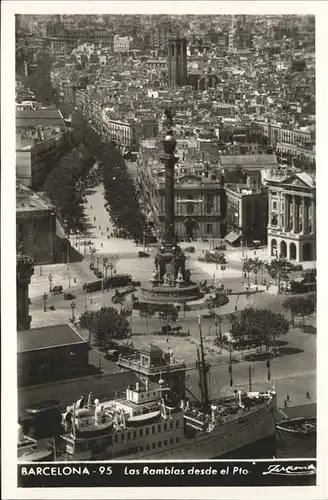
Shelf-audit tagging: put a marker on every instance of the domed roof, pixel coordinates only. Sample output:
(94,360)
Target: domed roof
(152,350)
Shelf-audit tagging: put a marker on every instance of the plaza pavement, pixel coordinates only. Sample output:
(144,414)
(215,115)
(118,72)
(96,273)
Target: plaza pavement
(294,373)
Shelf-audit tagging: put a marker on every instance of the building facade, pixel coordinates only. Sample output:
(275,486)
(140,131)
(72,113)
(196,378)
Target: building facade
(121,43)
(247,215)
(35,226)
(292,217)
(177,62)
(35,160)
(198,207)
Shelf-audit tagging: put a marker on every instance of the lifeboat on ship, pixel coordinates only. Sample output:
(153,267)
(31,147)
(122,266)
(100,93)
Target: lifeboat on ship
(143,419)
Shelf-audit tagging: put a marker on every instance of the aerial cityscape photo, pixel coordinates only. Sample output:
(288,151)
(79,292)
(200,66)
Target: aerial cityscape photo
(165,236)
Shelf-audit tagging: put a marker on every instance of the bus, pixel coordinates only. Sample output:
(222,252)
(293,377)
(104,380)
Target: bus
(115,281)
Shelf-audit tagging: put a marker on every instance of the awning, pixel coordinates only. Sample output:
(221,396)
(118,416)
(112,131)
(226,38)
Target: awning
(232,237)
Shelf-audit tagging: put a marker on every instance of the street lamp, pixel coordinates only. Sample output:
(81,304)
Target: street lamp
(50,278)
(230,363)
(45,296)
(73,305)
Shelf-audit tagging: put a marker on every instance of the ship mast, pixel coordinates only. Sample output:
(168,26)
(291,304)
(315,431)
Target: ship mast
(203,370)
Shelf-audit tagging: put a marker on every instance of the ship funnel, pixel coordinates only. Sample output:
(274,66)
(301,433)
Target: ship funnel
(98,413)
(213,408)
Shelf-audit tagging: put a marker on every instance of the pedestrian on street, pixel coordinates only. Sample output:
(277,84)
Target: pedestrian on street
(94,219)
(285,403)
(99,227)
(107,230)
(287,397)
(307,395)
(91,207)
(102,234)
(236,308)
(102,244)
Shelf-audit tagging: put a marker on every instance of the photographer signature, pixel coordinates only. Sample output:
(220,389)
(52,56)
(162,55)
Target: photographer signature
(290,470)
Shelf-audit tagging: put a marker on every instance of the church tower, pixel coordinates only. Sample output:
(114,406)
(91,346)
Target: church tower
(177,62)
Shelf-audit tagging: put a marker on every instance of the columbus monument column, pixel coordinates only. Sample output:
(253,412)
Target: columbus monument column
(169,159)
(170,281)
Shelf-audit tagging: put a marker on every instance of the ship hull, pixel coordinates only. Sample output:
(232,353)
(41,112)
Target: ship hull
(262,448)
(253,436)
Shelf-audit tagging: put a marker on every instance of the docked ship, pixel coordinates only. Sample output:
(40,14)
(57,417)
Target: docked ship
(153,419)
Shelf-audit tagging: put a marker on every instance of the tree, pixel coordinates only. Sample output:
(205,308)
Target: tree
(247,268)
(279,269)
(257,327)
(291,305)
(302,306)
(105,325)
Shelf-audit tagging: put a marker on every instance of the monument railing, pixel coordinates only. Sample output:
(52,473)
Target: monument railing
(133,364)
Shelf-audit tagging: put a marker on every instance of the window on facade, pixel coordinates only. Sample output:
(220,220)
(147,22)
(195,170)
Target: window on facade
(165,442)
(165,426)
(153,429)
(153,445)
(274,205)
(159,444)
(134,434)
(129,435)
(178,50)
(171,441)
(159,428)
(147,447)
(209,228)
(190,207)
(209,204)
(177,424)
(274,220)
(141,432)
(147,431)
(177,439)
(171,425)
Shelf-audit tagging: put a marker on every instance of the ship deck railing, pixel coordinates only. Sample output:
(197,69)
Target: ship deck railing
(134,364)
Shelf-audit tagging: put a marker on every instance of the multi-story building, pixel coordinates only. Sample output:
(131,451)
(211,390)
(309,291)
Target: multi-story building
(62,42)
(246,215)
(292,218)
(278,133)
(199,198)
(34,160)
(121,43)
(42,137)
(198,207)
(251,165)
(35,226)
(304,155)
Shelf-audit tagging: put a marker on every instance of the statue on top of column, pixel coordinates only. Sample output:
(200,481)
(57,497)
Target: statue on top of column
(168,121)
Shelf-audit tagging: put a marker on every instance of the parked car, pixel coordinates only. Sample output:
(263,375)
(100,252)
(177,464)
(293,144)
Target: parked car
(57,289)
(69,296)
(141,253)
(112,354)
